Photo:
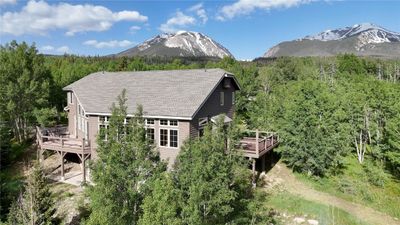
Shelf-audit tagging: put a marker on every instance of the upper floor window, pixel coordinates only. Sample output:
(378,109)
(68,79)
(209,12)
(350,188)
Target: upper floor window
(164,122)
(172,123)
(221,98)
(103,119)
(69,97)
(149,121)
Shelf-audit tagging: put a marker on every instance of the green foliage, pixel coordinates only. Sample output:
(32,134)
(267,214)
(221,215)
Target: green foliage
(365,183)
(326,215)
(46,117)
(36,205)
(207,186)
(162,205)
(25,86)
(124,169)
(349,63)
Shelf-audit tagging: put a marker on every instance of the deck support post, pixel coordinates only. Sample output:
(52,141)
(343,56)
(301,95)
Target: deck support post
(263,162)
(83,169)
(62,165)
(254,172)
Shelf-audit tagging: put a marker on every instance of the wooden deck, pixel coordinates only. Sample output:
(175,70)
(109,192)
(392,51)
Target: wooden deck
(57,139)
(256,147)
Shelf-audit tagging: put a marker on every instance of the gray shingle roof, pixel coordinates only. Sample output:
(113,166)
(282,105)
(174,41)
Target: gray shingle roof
(171,93)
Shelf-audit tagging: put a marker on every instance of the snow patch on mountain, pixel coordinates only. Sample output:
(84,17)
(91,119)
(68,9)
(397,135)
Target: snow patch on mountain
(196,42)
(372,32)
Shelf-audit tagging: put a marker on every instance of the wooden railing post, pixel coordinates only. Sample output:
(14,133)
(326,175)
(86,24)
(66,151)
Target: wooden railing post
(62,143)
(257,144)
(83,144)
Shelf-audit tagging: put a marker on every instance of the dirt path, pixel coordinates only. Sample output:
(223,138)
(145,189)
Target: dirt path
(280,173)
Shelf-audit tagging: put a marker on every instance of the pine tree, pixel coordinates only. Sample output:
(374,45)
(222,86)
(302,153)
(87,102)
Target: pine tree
(35,206)
(162,205)
(124,169)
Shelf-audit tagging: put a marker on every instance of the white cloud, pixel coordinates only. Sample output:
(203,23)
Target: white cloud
(244,7)
(108,44)
(200,12)
(5,2)
(180,20)
(63,49)
(133,29)
(39,17)
(47,48)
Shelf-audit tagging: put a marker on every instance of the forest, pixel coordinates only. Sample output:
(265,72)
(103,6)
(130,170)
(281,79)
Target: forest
(327,111)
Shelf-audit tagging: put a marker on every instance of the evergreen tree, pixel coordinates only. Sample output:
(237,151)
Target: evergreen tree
(35,206)
(125,166)
(161,206)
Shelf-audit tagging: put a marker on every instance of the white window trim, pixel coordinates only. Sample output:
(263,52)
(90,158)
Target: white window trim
(168,123)
(150,124)
(168,138)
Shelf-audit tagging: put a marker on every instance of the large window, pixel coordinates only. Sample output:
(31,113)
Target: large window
(150,135)
(173,138)
(221,98)
(169,138)
(164,122)
(164,137)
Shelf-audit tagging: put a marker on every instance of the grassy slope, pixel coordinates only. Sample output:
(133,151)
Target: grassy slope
(355,185)
(295,205)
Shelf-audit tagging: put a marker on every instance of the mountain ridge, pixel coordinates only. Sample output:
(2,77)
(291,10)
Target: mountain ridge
(179,44)
(364,39)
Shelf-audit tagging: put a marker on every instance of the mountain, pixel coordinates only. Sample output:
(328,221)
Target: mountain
(361,39)
(182,44)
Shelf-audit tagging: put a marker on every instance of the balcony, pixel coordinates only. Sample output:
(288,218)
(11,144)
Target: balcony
(58,139)
(257,143)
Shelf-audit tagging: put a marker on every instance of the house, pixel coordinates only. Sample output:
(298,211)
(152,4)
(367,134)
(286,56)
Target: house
(177,105)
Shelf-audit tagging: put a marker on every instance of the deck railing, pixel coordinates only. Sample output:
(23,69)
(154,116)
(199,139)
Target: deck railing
(57,139)
(259,143)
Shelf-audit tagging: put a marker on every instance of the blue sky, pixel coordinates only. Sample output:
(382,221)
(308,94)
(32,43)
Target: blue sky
(247,28)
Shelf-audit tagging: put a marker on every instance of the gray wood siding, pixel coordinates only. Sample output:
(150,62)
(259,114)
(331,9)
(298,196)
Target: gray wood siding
(212,106)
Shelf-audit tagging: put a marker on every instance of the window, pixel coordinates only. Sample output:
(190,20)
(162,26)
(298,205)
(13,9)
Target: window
(103,130)
(164,122)
(149,121)
(150,134)
(173,123)
(164,137)
(203,121)
(173,138)
(233,97)
(127,120)
(201,131)
(103,119)
(169,138)
(221,98)
(69,97)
